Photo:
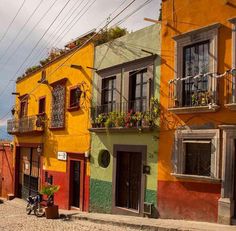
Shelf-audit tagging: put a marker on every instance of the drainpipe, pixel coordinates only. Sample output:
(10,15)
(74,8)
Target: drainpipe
(121,87)
(233,62)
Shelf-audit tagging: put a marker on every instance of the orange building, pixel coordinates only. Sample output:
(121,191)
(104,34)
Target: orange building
(197,155)
(50,126)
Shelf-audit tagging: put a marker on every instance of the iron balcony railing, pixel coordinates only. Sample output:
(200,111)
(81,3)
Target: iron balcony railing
(193,92)
(132,106)
(26,124)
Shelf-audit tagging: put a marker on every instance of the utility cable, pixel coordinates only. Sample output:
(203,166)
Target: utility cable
(40,39)
(62,34)
(22,42)
(77,48)
(21,29)
(52,37)
(9,26)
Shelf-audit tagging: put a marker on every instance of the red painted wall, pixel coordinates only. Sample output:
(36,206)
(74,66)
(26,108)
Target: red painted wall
(6,170)
(188,200)
(62,196)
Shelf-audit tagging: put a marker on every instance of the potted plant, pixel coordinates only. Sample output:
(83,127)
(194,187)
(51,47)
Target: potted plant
(51,210)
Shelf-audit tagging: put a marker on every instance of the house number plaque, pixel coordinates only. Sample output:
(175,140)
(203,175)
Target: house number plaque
(61,155)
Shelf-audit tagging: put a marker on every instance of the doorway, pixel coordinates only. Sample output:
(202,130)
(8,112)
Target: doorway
(76,181)
(129,180)
(29,172)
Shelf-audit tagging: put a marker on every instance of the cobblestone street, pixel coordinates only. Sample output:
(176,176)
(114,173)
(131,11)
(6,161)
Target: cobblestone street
(14,217)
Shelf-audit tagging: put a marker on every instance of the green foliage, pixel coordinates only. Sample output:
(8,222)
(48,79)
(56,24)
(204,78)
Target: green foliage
(32,69)
(49,190)
(109,34)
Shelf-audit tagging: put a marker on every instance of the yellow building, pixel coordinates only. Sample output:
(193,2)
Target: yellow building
(50,124)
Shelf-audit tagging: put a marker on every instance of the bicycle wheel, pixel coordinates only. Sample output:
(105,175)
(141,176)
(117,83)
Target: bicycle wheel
(28,209)
(39,210)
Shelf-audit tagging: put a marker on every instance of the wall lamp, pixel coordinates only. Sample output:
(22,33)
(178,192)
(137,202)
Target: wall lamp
(78,67)
(39,149)
(43,82)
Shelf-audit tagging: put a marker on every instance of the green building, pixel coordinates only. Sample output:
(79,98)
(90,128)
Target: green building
(124,137)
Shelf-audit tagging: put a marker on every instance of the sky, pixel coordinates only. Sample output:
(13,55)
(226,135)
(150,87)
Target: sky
(30,28)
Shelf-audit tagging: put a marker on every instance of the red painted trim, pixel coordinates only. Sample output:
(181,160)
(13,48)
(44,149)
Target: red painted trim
(28,145)
(188,200)
(76,157)
(59,82)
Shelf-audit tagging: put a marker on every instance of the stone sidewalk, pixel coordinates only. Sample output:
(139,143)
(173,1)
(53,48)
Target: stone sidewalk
(141,223)
(13,217)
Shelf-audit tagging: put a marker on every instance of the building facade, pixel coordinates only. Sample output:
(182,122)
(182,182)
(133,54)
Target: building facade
(196,158)
(125,124)
(50,127)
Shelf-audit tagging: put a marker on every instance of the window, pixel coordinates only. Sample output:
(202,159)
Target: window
(42,103)
(196,54)
(75,94)
(109,94)
(58,104)
(198,158)
(23,106)
(138,90)
(196,153)
(196,61)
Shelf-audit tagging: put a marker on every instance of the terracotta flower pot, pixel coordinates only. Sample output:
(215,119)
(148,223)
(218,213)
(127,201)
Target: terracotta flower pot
(51,212)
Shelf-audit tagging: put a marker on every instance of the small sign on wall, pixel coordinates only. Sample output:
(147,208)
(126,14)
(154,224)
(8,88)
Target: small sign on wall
(61,155)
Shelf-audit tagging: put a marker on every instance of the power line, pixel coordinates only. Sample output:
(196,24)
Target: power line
(9,26)
(21,29)
(42,36)
(22,42)
(54,32)
(40,39)
(77,48)
(61,35)
(134,12)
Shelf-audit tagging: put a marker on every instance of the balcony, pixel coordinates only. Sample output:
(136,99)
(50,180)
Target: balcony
(230,84)
(193,95)
(26,125)
(127,116)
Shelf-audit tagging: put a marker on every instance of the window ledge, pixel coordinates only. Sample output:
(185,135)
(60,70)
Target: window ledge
(231,106)
(196,109)
(196,177)
(122,129)
(76,108)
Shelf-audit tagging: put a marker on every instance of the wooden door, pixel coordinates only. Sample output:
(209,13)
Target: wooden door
(29,172)
(7,172)
(128,180)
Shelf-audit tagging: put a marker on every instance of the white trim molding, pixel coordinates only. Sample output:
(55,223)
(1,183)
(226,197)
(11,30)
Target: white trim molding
(226,202)
(183,136)
(233,21)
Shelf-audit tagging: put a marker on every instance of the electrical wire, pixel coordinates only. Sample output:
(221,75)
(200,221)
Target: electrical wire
(66,30)
(11,23)
(77,48)
(20,30)
(22,42)
(52,37)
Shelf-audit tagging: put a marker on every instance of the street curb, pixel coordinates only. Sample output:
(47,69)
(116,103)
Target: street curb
(126,224)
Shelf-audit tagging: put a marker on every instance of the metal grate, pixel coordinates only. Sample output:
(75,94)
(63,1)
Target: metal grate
(58,107)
